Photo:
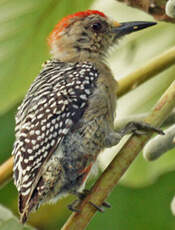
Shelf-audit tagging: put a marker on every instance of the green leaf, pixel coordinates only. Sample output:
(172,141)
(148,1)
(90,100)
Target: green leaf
(25,26)
(7,124)
(9,221)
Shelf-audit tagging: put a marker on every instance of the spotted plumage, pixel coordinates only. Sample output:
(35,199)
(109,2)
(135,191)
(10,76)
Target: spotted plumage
(56,100)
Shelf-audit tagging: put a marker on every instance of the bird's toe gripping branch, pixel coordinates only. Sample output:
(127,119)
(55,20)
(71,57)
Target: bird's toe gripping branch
(81,196)
(139,128)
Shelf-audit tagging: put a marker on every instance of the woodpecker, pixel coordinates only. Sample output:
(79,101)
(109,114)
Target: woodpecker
(67,116)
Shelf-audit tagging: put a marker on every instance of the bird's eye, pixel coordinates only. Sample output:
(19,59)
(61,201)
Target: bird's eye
(97,26)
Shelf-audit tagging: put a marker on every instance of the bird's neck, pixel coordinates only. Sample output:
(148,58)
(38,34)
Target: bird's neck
(72,54)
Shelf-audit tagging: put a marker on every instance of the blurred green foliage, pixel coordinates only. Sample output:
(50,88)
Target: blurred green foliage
(9,221)
(25,26)
(144,208)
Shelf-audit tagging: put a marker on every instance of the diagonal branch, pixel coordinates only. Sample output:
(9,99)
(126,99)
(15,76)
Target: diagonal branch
(120,164)
(146,72)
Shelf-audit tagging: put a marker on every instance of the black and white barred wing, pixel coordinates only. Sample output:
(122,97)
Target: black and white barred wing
(55,102)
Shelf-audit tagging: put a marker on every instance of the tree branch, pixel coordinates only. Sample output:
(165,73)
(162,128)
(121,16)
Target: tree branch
(156,8)
(6,171)
(120,164)
(146,72)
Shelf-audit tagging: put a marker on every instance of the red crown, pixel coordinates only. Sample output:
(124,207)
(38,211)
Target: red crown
(65,22)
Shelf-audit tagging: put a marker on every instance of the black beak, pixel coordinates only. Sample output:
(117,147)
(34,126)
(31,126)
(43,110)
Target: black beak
(129,27)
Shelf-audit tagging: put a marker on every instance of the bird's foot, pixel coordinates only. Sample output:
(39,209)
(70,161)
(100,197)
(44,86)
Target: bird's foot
(139,128)
(81,196)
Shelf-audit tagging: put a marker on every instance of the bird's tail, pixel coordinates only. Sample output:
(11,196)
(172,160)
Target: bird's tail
(23,217)
(25,207)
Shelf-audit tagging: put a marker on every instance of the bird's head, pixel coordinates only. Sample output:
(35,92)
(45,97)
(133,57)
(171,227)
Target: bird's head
(88,35)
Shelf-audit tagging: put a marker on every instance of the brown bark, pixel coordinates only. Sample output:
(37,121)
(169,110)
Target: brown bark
(156,8)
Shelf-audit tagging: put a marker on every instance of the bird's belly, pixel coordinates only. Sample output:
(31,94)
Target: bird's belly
(69,167)
(79,154)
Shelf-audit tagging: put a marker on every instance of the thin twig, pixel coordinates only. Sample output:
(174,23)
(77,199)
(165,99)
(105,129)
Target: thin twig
(120,164)
(146,72)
